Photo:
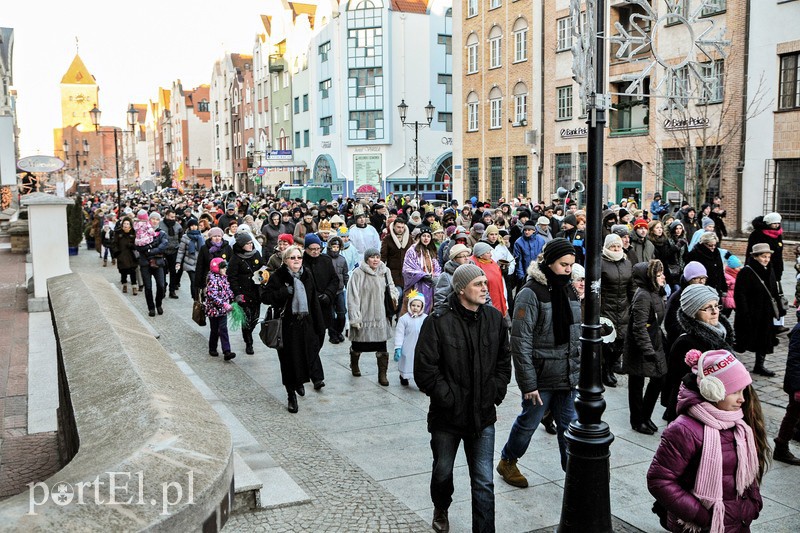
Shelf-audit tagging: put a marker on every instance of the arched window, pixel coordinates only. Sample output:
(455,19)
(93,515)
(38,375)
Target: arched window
(472,53)
(520,104)
(495,47)
(520,40)
(472,111)
(629,170)
(495,108)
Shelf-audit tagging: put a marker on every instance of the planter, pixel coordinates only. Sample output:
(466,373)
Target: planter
(73,250)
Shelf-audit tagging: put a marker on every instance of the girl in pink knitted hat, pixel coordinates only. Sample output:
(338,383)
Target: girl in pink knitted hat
(706,472)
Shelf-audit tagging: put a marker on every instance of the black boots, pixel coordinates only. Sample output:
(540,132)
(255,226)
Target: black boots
(760,369)
(441,523)
(383,366)
(292,407)
(783,454)
(607,370)
(354,356)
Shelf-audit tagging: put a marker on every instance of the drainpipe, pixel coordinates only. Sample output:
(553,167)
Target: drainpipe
(743,145)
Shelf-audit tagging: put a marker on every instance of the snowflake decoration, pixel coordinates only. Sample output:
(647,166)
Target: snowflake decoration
(583,48)
(683,79)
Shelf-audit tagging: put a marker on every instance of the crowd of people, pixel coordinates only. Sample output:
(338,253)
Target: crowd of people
(456,293)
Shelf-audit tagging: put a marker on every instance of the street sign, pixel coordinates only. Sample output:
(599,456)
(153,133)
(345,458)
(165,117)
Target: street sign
(446,181)
(40,163)
(257,180)
(261,171)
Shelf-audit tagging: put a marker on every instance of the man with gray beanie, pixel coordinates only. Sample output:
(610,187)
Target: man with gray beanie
(545,345)
(462,362)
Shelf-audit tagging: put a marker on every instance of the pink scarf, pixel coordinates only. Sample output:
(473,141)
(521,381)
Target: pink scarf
(708,484)
(773,233)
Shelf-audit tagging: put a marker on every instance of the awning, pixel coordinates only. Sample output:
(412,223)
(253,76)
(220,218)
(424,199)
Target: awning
(284,165)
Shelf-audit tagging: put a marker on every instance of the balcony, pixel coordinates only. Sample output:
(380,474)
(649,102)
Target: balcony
(276,63)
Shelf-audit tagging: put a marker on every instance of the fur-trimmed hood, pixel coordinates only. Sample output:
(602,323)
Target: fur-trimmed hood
(535,272)
(695,328)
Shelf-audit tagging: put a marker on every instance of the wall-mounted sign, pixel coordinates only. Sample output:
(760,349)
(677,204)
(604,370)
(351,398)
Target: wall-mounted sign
(367,170)
(40,163)
(326,144)
(279,155)
(572,133)
(689,123)
(447,141)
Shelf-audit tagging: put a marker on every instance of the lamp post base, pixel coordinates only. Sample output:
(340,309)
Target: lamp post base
(587,502)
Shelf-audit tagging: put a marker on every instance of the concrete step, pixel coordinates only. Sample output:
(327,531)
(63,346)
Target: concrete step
(246,486)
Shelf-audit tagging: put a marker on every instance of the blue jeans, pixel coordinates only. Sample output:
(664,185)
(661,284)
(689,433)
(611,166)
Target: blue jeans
(148,274)
(561,403)
(480,461)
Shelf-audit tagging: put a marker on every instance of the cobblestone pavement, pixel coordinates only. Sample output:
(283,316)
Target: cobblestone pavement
(23,458)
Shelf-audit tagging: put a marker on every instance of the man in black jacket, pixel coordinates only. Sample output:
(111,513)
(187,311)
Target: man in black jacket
(463,363)
(326,280)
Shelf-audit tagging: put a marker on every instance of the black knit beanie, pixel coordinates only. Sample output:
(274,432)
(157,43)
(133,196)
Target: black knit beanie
(556,248)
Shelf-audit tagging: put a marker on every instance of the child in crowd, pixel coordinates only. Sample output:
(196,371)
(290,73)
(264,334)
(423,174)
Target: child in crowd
(218,304)
(107,238)
(732,268)
(706,472)
(144,231)
(406,335)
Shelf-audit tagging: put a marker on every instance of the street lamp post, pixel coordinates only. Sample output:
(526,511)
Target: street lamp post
(403,109)
(132,114)
(586,504)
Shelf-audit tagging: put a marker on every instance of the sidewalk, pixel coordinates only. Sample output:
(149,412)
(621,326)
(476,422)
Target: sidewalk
(23,458)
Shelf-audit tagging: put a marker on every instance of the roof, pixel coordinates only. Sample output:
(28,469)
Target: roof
(410,6)
(78,74)
(240,60)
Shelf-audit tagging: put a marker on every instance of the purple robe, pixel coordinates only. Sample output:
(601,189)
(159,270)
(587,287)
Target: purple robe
(414,271)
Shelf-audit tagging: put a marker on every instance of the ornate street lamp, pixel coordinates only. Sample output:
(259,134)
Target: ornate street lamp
(403,110)
(95,114)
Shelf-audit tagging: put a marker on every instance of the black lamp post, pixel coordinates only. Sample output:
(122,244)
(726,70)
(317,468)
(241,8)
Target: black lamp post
(78,154)
(132,116)
(133,119)
(587,503)
(403,109)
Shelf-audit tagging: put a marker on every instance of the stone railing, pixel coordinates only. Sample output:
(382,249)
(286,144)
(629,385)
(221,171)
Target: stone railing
(141,449)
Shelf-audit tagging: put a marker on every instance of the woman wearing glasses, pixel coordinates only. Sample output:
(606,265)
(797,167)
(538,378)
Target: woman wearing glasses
(703,328)
(291,292)
(643,355)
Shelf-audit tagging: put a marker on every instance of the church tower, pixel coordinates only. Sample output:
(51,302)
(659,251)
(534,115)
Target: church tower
(79,94)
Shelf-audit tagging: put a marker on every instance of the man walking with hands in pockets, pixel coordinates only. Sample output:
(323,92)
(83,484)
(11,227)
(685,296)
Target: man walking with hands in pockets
(462,362)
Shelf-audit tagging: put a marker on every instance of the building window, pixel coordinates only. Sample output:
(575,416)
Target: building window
(495,109)
(324,50)
(494,4)
(325,124)
(447,81)
(365,42)
(563,171)
(472,54)
(325,87)
(714,7)
(564,31)
(275,115)
(520,40)
(296,105)
(790,82)
(495,178)
(714,92)
(520,103)
(297,140)
(203,106)
(520,176)
(306,138)
(680,85)
(630,115)
(447,41)
(285,111)
(472,8)
(709,169)
(472,112)
(673,175)
(447,118)
(305,102)
(495,47)
(365,124)
(564,101)
(473,172)
(364,78)
(788,201)
(285,79)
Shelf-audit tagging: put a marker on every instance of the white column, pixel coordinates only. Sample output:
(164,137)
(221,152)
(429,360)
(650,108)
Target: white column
(47,227)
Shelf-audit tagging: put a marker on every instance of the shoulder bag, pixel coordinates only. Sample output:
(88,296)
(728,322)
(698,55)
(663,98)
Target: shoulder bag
(199,311)
(271,332)
(388,302)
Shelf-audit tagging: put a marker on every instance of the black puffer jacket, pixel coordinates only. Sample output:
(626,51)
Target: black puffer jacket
(712,260)
(775,241)
(204,261)
(462,362)
(644,343)
(616,292)
(538,363)
(240,274)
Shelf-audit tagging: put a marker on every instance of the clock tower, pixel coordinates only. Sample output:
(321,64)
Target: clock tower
(79,94)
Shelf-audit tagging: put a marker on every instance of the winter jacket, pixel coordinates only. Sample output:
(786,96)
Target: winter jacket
(204,260)
(173,236)
(240,275)
(762,234)
(791,380)
(538,363)
(462,363)
(526,250)
(154,250)
(340,267)
(271,231)
(730,281)
(641,249)
(616,292)
(185,258)
(671,476)
(495,282)
(325,280)
(712,261)
(393,253)
(754,311)
(218,294)
(644,345)
(365,307)
(123,249)
(502,254)
(301,230)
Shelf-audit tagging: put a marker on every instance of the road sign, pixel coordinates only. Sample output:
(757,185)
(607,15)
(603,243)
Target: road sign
(261,171)
(447,181)
(257,180)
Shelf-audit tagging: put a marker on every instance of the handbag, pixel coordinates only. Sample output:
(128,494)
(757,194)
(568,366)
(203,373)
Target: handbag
(199,312)
(271,332)
(388,302)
